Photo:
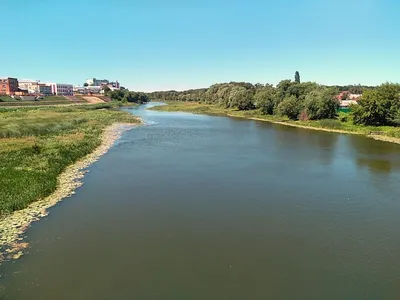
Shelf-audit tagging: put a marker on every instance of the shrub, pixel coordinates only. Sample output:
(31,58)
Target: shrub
(331,123)
(304,116)
(343,117)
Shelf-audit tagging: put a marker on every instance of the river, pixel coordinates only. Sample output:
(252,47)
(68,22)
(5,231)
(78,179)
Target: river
(204,207)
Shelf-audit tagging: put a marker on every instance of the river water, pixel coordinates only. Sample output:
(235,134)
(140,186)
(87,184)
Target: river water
(202,207)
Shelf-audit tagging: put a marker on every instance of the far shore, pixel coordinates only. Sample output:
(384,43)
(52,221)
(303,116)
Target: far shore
(383,138)
(13,225)
(213,110)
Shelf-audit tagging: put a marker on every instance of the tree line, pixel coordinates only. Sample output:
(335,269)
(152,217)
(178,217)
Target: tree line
(297,100)
(124,95)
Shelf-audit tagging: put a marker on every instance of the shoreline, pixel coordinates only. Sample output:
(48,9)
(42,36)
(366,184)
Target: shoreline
(298,125)
(382,138)
(12,226)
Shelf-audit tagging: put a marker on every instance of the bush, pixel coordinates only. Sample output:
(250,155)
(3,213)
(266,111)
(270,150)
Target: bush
(304,116)
(343,117)
(330,123)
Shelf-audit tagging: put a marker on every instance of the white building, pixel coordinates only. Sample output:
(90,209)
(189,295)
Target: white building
(347,103)
(88,89)
(62,89)
(32,86)
(96,82)
(354,96)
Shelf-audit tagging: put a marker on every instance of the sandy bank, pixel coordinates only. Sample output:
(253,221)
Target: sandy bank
(14,225)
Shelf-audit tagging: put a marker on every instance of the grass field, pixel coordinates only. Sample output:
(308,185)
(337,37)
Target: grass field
(342,124)
(6,101)
(4,98)
(37,144)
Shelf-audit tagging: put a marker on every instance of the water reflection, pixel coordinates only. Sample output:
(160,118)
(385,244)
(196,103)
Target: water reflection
(200,207)
(378,157)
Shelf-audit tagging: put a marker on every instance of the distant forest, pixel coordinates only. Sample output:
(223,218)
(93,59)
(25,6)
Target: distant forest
(297,100)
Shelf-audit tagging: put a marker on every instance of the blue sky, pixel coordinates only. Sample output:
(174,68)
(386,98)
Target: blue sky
(160,45)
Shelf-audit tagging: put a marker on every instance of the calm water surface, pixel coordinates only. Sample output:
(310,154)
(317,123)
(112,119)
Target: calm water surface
(201,207)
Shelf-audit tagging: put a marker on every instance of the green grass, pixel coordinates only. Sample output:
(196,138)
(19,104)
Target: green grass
(4,98)
(37,144)
(54,98)
(49,100)
(343,122)
(35,103)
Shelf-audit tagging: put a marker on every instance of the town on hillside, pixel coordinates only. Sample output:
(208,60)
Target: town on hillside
(22,89)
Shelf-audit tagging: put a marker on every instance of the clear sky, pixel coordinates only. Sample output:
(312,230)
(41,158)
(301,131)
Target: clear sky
(160,45)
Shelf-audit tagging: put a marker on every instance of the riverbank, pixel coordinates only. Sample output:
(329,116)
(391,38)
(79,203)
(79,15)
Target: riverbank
(43,155)
(383,133)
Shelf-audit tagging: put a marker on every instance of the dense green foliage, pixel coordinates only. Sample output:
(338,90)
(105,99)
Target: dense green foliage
(288,98)
(124,95)
(37,144)
(343,123)
(380,106)
(354,89)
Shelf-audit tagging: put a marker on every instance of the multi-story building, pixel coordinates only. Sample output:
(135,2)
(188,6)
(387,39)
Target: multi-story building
(45,89)
(31,85)
(114,85)
(97,82)
(8,86)
(88,89)
(61,89)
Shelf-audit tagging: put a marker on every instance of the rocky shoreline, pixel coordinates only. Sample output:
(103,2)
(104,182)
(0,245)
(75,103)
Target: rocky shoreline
(14,225)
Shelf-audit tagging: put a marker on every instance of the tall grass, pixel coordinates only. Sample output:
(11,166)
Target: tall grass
(36,145)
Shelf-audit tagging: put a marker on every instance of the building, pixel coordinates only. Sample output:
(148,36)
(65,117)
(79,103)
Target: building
(348,96)
(355,97)
(21,92)
(61,89)
(8,86)
(347,103)
(97,82)
(45,89)
(88,89)
(114,85)
(32,86)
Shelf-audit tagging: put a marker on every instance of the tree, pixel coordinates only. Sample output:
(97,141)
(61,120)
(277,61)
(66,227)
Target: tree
(378,107)
(321,104)
(85,84)
(297,77)
(106,89)
(241,98)
(282,88)
(289,107)
(265,100)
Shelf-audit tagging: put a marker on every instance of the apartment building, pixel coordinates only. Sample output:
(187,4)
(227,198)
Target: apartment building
(8,86)
(45,89)
(32,86)
(61,89)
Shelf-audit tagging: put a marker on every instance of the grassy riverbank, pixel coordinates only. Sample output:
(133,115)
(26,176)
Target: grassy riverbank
(6,101)
(342,124)
(37,144)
